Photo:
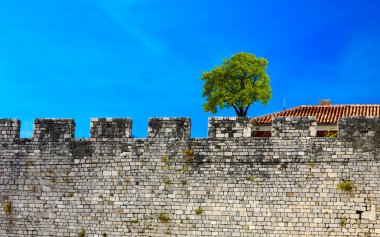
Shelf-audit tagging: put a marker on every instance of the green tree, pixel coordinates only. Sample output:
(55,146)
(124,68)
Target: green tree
(238,82)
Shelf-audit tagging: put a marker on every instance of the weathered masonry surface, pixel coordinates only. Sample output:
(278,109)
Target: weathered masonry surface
(168,184)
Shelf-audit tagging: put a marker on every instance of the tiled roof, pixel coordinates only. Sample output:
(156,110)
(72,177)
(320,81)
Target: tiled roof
(324,113)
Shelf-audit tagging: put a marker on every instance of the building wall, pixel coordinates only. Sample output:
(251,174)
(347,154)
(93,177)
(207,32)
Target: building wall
(229,184)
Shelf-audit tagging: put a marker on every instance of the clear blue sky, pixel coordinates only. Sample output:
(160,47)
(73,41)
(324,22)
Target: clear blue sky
(139,59)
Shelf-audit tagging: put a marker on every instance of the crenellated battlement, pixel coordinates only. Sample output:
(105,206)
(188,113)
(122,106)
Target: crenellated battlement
(53,130)
(228,127)
(232,183)
(169,128)
(9,129)
(111,128)
(353,129)
(292,127)
(362,131)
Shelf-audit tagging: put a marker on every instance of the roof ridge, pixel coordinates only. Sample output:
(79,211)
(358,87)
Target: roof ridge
(339,105)
(299,106)
(324,113)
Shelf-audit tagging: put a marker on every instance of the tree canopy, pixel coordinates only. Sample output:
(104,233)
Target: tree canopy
(239,82)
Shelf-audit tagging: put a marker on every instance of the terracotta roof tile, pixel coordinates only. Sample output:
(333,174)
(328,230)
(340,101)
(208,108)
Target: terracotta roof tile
(324,113)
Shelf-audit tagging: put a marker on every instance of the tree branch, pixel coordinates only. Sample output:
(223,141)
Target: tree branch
(246,110)
(241,112)
(242,81)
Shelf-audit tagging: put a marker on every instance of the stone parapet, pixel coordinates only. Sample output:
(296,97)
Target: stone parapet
(229,127)
(364,132)
(9,129)
(169,128)
(293,127)
(111,128)
(53,130)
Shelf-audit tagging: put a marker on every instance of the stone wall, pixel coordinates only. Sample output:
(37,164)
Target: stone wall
(168,184)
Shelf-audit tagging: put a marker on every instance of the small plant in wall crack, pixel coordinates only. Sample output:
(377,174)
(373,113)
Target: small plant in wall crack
(7,207)
(165,159)
(82,233)
(30,163)
(198,211)
(251,178)
(342,221)
(330,133)
(66,172)
(185,170)
(188,155)
(167,182)
(49,171)
(33,188)
(163,218)
(7,210)
(346,186)
(127,181)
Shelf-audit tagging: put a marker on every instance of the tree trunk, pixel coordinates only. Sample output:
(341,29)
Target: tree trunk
(245,111)
(241,112)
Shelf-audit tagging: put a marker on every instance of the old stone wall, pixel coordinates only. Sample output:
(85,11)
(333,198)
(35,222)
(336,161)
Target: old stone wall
(168,184)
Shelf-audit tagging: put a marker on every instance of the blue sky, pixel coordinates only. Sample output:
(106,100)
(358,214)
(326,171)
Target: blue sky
(84,59)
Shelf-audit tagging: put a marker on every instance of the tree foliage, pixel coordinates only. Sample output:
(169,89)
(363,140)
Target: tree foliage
(239,82)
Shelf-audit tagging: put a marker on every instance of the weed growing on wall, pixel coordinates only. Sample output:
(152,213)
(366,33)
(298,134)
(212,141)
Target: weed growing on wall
(165,159)
(346,186)
(188,154)
(7,208)
(33,188)
(330,133)
(30,163)
(49,171)
(251,178)
(167,182)
(185,170)
(342,221)
(135,221)
(127,181)
(163,218)
(198,211)
(82,233)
